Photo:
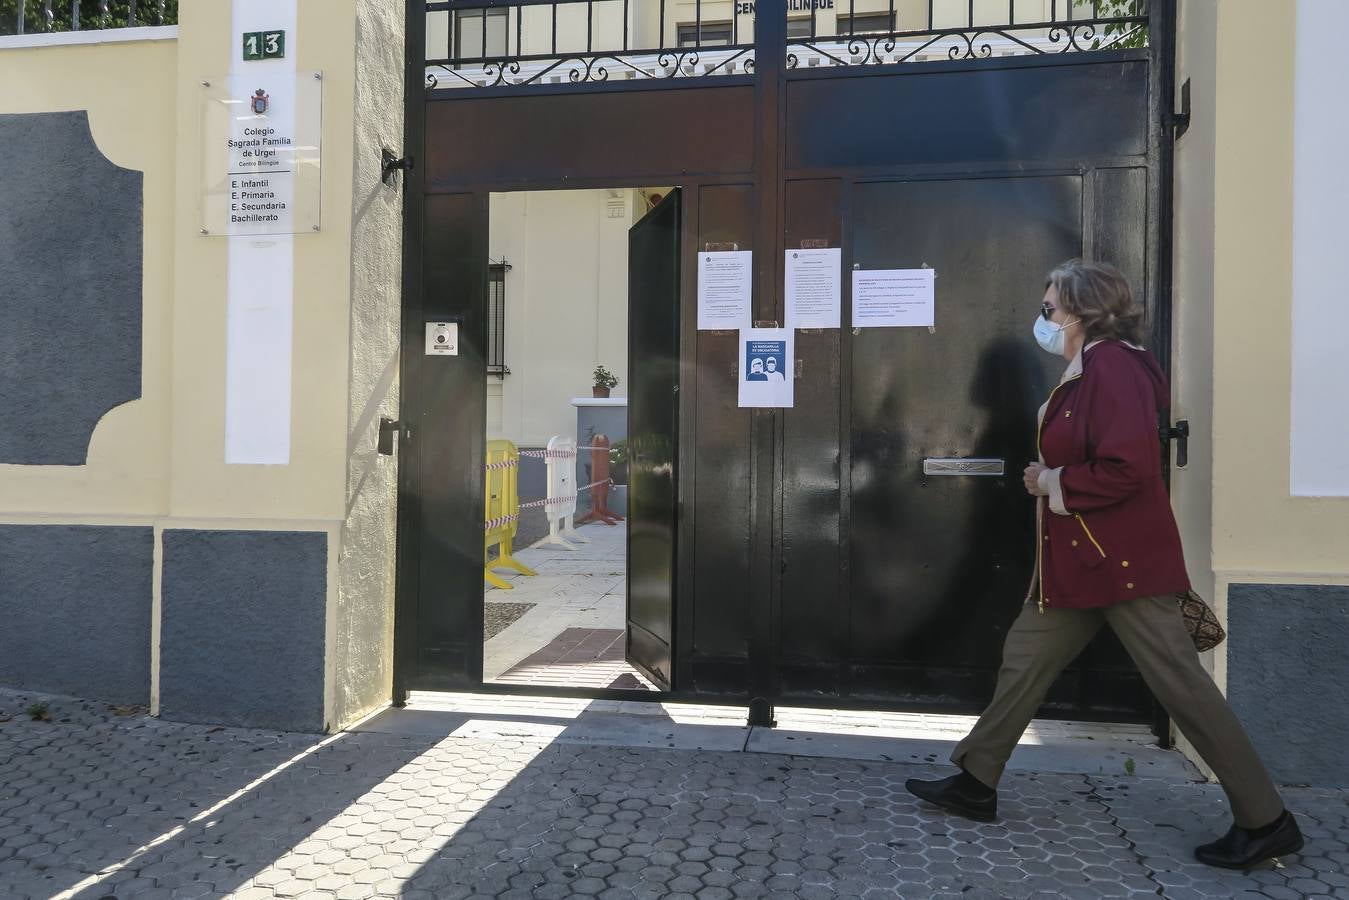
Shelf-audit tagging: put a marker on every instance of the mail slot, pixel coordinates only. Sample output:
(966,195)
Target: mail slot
(962,466)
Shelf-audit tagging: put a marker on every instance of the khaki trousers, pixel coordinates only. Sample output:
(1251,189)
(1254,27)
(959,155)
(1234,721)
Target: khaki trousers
(1038,648)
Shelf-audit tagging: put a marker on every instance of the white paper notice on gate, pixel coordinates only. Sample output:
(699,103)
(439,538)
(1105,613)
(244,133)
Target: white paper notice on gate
(814,288)
(725,281)
(894,298)
(766,367)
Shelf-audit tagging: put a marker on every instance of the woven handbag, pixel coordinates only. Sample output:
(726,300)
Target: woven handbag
(1204,628)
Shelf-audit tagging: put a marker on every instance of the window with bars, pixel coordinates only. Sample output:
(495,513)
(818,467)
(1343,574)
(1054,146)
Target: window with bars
(860,23)
(481,33)
(714,34)
(496,319)
(883,23)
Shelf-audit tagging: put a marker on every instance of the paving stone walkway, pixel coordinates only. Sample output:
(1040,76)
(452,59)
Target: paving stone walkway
(94,804)
(582,588)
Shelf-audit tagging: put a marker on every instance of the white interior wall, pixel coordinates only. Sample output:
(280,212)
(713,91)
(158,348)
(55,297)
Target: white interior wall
(566,305)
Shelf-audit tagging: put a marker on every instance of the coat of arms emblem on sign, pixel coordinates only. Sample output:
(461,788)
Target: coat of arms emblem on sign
(260,101)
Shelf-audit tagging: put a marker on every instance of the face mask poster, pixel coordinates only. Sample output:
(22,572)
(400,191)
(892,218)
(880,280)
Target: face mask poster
(766,367)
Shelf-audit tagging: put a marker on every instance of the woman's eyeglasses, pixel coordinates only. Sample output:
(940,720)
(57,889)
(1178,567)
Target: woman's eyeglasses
(1047,311)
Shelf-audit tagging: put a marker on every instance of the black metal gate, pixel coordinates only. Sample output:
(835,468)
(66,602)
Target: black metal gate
(816,562)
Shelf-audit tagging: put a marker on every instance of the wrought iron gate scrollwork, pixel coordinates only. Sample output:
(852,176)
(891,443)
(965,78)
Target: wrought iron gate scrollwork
(522,48)
(594,69)
(981,43)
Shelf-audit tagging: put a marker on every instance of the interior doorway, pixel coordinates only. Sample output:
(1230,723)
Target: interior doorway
(578,534)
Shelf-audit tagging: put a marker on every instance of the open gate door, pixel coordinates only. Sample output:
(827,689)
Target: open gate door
(653,420)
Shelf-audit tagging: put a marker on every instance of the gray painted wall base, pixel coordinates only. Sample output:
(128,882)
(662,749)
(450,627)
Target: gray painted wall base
(1288,677)
(242,631)
(75,608)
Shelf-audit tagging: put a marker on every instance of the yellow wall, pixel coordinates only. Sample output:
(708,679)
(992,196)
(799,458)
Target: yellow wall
(161,459)
(134,123)
(312,486)
(1260,532)
(163,455)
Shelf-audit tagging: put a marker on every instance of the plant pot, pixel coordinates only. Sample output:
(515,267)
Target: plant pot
(599,392)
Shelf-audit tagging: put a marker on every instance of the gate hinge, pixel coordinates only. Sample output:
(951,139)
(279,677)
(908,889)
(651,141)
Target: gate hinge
(390,162)
(1180,433)
(388,430)
(1180,120)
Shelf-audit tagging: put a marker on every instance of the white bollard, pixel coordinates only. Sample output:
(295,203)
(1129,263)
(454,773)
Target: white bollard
(560,508)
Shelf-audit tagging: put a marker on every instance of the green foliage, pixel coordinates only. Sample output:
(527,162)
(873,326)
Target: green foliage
(1122,35)
(1129,766)
(148,12)
(604,378)
(38,712)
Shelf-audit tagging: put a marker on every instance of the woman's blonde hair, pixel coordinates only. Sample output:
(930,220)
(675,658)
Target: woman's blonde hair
(1099,295)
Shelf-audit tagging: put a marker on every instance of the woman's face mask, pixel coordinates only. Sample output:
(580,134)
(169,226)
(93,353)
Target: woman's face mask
(1051,337)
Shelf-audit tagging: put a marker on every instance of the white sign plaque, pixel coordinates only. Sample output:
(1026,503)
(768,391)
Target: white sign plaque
(262,140)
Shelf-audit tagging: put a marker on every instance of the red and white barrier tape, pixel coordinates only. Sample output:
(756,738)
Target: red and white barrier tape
(499,522)
(558,454)
(504,464)
(550,501)
(555,501)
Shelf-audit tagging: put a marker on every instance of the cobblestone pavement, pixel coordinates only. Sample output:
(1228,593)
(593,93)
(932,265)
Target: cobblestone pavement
(94,804)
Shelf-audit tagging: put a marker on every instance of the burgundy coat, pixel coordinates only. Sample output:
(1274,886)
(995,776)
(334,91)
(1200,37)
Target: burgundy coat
(1107,532)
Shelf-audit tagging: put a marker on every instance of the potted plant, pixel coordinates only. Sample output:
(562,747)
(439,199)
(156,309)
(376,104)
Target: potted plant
(605,381)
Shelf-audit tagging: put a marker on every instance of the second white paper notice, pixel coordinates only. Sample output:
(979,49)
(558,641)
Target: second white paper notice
(766,367)
(814,288)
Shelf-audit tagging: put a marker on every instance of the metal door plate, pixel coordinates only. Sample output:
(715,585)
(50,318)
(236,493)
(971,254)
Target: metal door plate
(963,466)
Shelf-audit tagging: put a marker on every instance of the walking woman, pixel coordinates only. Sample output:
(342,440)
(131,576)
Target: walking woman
(1108,552)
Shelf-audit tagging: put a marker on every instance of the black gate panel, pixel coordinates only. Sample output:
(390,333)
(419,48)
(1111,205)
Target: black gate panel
(814,609)
(1028,111)
(653,436)
(715,576)
(615,137)
(941,563)
(445,452)
(1119,202)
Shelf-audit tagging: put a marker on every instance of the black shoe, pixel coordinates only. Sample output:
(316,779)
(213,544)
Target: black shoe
(962,794)
(1244,848)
